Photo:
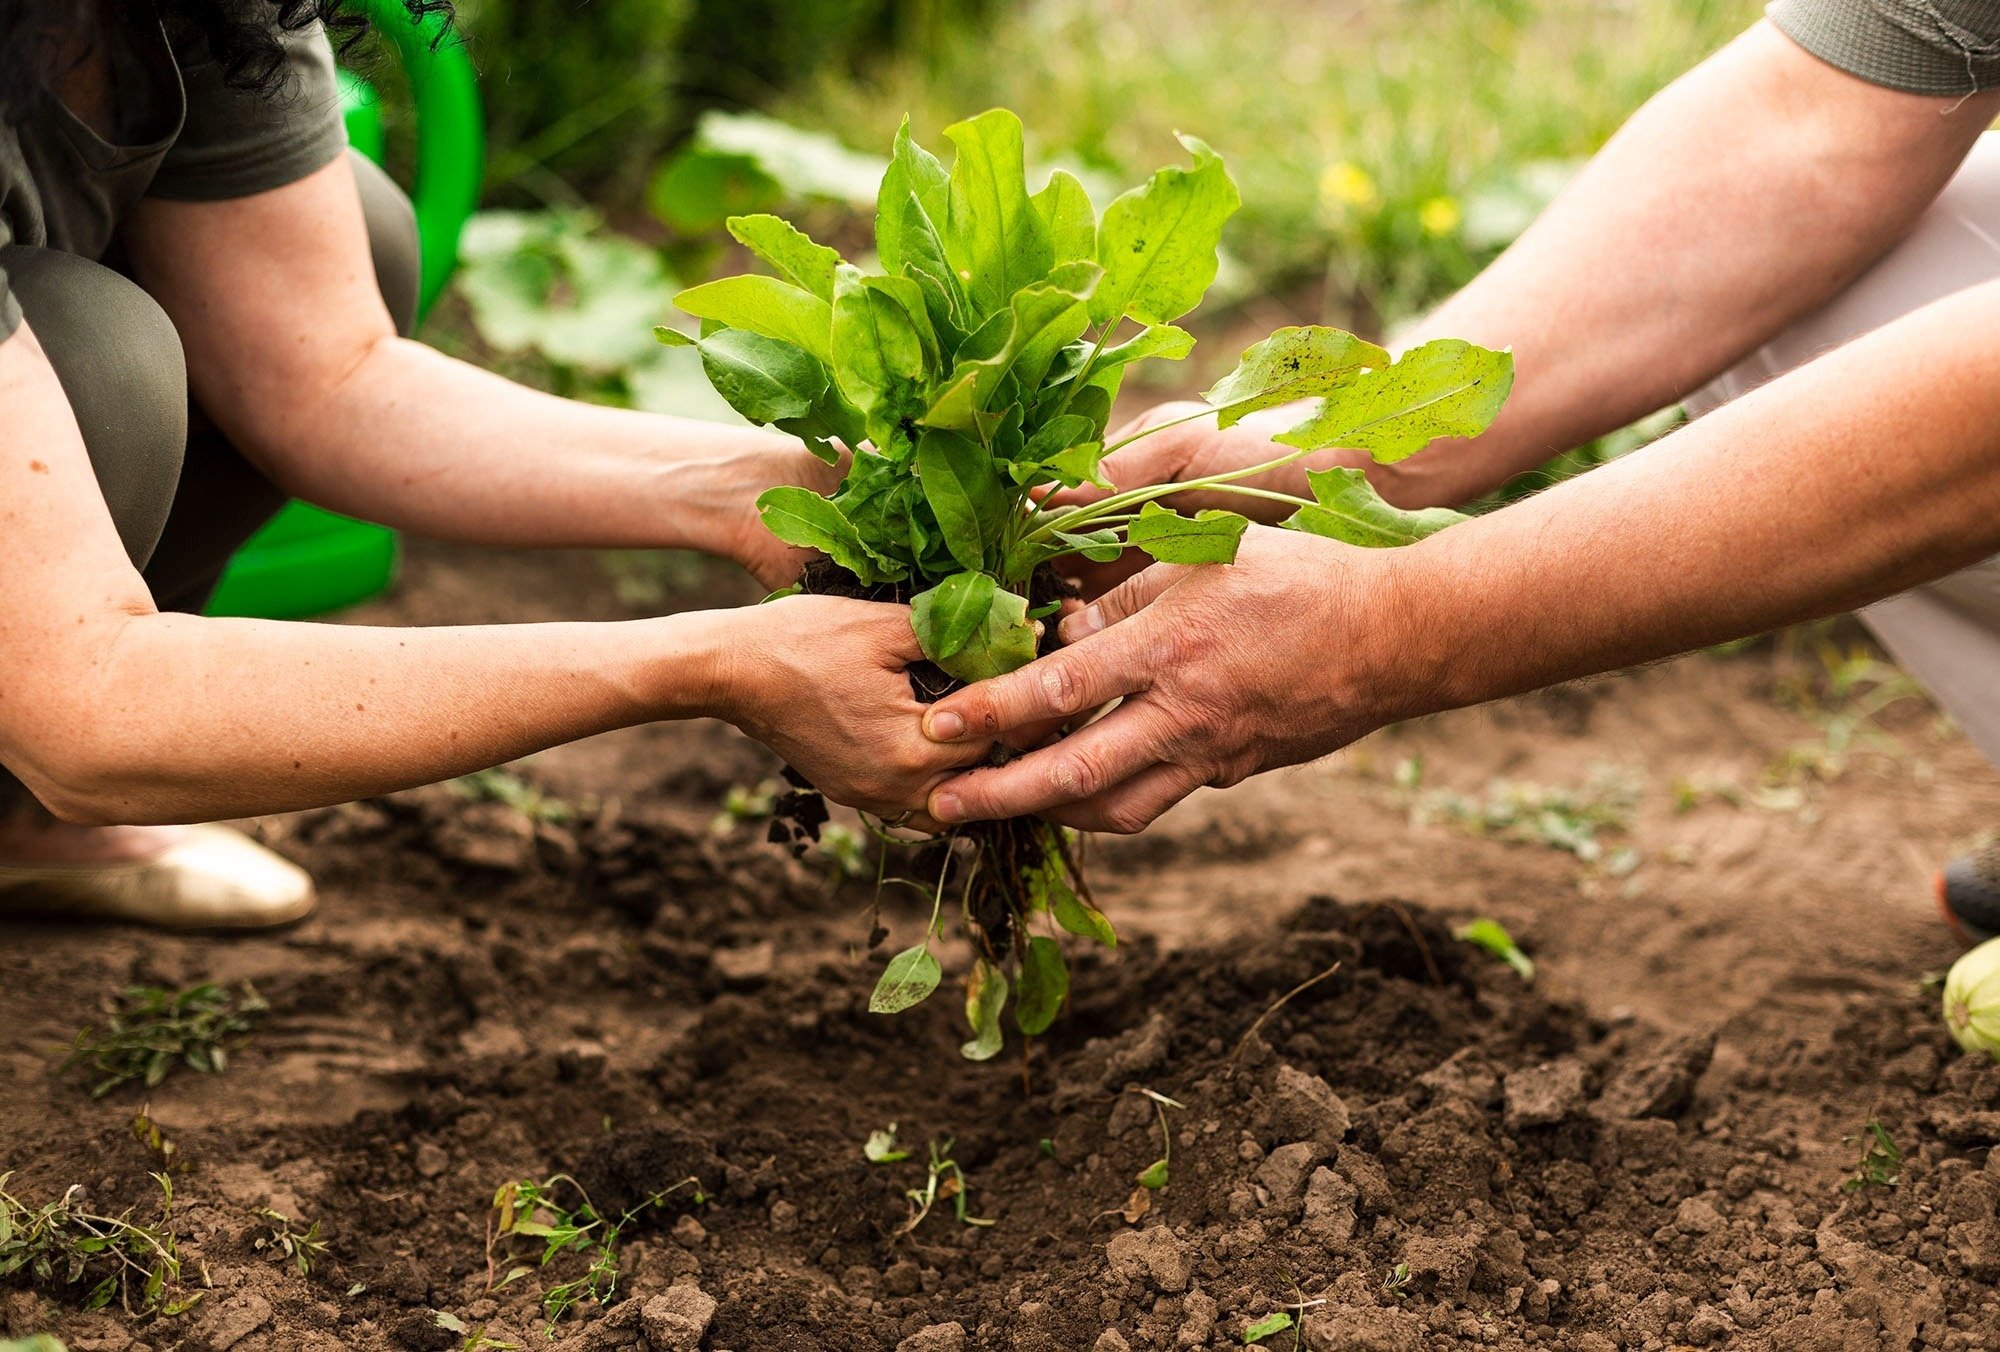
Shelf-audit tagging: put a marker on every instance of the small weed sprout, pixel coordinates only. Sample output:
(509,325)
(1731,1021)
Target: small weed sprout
(881,1148)
(61,1244)
(40,1342)
(1881,1162)
(503,786)
(944,1181)
(475,1339)
(1268,1326)
(525,1209)
(1397,1283)
(1491,935)
(1154,1176)
(1573,820)
(151,1029)
(301,1248)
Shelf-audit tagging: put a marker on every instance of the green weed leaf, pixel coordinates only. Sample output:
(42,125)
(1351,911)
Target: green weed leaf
(1445,388)
(1020,342)
(880,1147)
(985,997)
(878,355)
(801,517)
(1078,916)
(1491,935)
(1206,537)
(964,491)
(764,379)
(1349,509)
(1159,340)
(790,250)
(1294,363)
(1065,209)
(1265,1327)
(765,305)
(1044,985)
(910,210)
(1154,1175)
(909,978)
(949,614)
(1004,642)
(994,237)
(1157,244)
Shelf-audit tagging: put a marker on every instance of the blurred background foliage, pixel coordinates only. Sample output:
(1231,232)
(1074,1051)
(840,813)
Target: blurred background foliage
(1386,150)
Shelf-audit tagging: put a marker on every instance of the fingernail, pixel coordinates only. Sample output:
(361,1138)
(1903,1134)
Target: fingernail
(945,807)
(1081,624)
(944,726)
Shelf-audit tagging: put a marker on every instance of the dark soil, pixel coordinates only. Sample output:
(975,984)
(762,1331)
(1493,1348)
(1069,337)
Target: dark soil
(1644,1150)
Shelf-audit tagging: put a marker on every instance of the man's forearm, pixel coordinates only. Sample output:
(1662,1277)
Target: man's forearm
(418,440)
(1740,198)
(1865,472)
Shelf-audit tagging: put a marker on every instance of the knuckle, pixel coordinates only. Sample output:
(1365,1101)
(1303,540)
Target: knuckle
(1063,686)
(1076,775)
(1124,819)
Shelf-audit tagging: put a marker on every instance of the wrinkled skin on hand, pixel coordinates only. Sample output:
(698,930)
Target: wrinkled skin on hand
(1224,671)
(822,681)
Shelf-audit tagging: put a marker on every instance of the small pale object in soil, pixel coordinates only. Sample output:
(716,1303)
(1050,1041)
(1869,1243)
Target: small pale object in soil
(1972,999)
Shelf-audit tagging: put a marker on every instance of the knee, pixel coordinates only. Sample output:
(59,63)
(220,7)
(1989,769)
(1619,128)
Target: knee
(392,240)
(122,368)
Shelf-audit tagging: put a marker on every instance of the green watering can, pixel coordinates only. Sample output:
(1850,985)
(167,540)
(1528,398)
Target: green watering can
(307,561)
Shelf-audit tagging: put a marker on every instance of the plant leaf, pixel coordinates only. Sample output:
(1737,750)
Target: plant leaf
(764,379)
(1064,206)
(1021,341)
(878,360)
(790,250)
(1293,363)
(910,210)
(1445,388)
(1350,510)
(1154,1176)
(1265,1327)
(880,1147)
(1158,340)
(906,292)
(1004,643)
(801,517)
(1157,243)
(1044,985)
(910,976)
(963,490)
(1206,537)
(948,615)
(994,237)
(1078,916)
(1491,935)
(765,305)
(985,996)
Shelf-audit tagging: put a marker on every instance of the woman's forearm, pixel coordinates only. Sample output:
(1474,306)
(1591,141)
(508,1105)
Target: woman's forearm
(189,719)
(1740,198)
(1865,472)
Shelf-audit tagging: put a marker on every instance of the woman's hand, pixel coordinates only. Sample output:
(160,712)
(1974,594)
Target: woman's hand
(747,540)
(822,681)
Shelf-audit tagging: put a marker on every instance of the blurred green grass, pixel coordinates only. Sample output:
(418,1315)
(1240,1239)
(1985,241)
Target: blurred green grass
(1387,148)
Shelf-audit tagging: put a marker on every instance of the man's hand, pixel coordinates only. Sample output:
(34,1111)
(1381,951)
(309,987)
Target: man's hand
(1223,671)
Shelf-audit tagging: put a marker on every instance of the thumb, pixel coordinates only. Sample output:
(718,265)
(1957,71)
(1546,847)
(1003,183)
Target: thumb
(1122,602)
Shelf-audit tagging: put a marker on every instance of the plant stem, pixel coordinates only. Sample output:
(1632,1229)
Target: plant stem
(1068,521)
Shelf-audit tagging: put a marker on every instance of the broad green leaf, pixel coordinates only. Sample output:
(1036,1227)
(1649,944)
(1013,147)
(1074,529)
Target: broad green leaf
(1206,537)
(1004,643)
(878,356)
(910,976)
(907,293)
(765,305)
(765,380)
(1065,209)
(1099,546)
(964,491)
(1491,935)
(1044,318)
(1349,510)
(790,250)
(801,517)
(1157,243)
(993,235)
(1044,985)
(1293,363)
(1078,465)
(1446,388)
(1265,1327)
(948,615)
(1078,916)
(1160,340)
(910,208)
(1057,435)
(1154,1175)
(985,997)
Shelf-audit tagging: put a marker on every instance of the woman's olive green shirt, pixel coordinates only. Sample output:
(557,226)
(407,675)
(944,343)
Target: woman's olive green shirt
(181,133)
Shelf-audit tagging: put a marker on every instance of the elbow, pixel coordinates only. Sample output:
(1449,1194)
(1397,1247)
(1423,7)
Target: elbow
(88,784)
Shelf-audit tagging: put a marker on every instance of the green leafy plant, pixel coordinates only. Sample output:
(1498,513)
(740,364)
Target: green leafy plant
(501,785)
(529,1210)
(151,1029)
(1489,934)
(59,1243)
(1881,1162)
(972,378)
(300,1248)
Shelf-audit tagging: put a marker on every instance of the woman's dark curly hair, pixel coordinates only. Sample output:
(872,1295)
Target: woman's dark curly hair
(39,37)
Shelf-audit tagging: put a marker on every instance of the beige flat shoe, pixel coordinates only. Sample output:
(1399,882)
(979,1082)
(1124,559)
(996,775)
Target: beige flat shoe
(213,878)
